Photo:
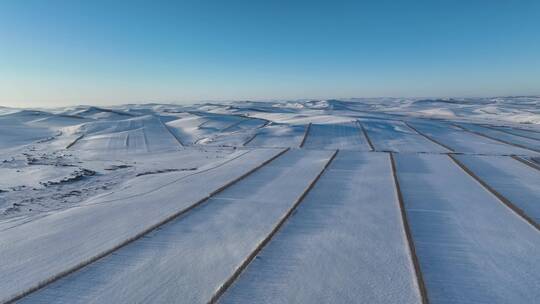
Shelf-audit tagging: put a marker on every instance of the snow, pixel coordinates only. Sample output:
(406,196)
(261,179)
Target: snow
(519,132)
(190,258)
(279,136)
(395,136)
(336,136)
(463,141)
(133,135)
(335,248)
(528,143)
(16,129)
(77,234)
(510,109)
(30,179)
(471,247)
(197,127)
(33,176)
(237,134)
(514,180)
(81,189)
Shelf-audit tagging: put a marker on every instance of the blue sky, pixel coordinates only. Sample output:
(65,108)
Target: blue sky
(109,52)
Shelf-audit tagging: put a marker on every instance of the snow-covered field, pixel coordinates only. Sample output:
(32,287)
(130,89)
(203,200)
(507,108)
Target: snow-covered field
(364,200)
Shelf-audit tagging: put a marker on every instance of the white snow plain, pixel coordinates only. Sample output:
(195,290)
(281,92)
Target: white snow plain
(244,202)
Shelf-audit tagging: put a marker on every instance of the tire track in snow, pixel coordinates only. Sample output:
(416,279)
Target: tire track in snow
(408,235)
(499,196)
(268,238)
(141,234)
(428,137)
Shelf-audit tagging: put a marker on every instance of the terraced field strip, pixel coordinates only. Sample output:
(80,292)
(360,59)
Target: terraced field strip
(462,141)
(278,136)
(244,119)
(192,257)
(470,247)
(344,244)
(343,136)
(511,182)
(408,235)
(528,144)
(229,127)
(88,233)
(516,132)
(176,137)
(158,136)
(218,123)
(395,136)
(267,239)
(428,137)
(118,142)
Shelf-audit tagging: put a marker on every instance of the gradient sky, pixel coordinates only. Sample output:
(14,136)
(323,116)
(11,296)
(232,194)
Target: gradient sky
(109,52)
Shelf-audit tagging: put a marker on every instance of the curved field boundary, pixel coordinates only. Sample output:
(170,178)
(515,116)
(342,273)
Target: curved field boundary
(428,137)
(410,241)
(366,136)
(268,238)
(501,198)
(141,234)
(496,139)
(305,135)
